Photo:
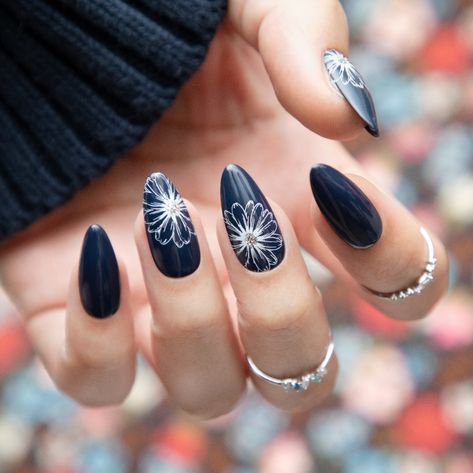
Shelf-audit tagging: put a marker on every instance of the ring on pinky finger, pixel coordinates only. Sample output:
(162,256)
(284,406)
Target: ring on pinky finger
(426,277)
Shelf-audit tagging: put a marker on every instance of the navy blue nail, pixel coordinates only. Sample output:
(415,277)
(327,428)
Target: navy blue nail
(251,226)
(99,280)
(352,86)
(171,234)
(347,209)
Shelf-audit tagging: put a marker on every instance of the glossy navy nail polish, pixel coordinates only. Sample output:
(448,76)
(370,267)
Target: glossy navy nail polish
(251,226)
(346,208)
(99,280)
(169,228)
(351,85)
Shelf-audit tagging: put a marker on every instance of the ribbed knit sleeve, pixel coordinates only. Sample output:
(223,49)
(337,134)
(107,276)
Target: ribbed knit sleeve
(81,81)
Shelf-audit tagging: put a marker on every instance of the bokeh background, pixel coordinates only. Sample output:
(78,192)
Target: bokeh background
(404,400)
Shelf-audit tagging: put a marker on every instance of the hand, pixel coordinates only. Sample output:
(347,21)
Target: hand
(187,328)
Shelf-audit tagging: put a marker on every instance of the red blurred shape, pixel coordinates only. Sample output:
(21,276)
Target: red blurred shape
(422,426)
(183,444)
(446,51)
(14,346)
(375,322)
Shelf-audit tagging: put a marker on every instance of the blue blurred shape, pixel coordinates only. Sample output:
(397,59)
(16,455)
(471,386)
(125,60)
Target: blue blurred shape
(334,433)
(102,456)
(34,402)
(371,461)
(256,424)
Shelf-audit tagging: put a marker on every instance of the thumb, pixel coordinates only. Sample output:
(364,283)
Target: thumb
(302,45)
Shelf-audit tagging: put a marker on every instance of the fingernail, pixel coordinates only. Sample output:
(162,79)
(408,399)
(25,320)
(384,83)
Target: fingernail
(251,226)
(351,85)
(99,280)
(169,228)
(347,209)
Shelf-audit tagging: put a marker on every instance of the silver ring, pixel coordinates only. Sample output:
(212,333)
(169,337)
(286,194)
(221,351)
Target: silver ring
(301,382)
(422,282)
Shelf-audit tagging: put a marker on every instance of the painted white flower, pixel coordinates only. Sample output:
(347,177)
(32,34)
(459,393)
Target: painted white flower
(165,213)
(342,70)
(253,232)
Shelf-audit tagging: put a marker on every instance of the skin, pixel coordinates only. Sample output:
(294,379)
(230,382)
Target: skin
(246,105)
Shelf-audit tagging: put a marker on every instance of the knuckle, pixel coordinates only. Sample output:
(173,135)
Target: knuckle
(194,308)
(207,400)
(78,356)
(93,400)
(249,15)
(99,355)
(281,313)
(206,409)
(88,397)
(191,323)
(86,392)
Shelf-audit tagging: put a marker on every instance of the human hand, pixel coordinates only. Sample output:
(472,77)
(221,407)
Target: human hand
(228,113)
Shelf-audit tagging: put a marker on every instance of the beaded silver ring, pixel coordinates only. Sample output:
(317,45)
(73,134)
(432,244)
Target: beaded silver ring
(298,383)
(423,280)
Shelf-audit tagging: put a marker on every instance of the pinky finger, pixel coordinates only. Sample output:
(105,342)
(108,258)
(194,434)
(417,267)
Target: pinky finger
(89,351)
(385,253)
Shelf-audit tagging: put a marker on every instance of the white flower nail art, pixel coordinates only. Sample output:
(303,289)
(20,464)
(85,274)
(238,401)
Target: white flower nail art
(342,70)
(253,232)
(165,213)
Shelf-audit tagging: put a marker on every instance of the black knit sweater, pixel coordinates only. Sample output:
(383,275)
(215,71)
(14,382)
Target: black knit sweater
(81,81)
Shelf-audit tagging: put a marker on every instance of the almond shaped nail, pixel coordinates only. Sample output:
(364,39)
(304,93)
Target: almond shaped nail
(345,207)
(99,279)
(169,228)
(352,86)
(251,226)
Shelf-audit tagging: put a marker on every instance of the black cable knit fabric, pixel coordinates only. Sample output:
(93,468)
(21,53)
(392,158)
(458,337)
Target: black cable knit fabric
(81,81)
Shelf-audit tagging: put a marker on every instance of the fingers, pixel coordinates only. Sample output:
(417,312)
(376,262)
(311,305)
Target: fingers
(90,351)
(283,326)
(303,45)
(192,343)
(377,241)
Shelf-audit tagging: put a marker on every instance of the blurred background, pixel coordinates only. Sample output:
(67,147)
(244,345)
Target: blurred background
(404,399)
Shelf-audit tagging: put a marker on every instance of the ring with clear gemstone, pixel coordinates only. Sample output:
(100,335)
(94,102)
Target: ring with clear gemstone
(299,383)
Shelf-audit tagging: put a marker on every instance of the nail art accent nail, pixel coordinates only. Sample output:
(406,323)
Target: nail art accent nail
(251,226)
(352,86)
(99,280)
(169,228)
(347,209)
